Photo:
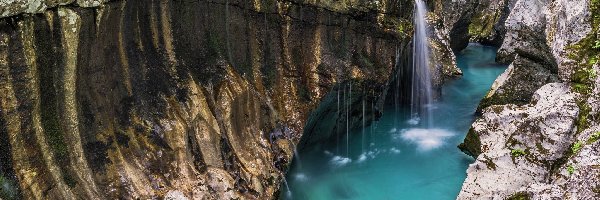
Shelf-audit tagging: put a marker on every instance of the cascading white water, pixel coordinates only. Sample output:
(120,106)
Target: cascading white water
(347,118)
(397,92)
(288,193)
(297,157)
(337,132)
(421,94)
(363,127)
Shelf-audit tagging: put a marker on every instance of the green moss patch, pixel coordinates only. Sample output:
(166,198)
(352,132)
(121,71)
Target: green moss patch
(49,115)
(519,196)
(584,113)
(517,152)
(594,138)
(586,53)
(404,28)
(576,147)
(482,25)
(472,144)
(571,169)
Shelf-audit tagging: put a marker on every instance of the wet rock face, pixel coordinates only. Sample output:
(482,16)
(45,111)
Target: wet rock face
(195,99)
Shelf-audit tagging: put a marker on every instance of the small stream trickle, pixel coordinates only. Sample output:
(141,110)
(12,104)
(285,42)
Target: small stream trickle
(403,160)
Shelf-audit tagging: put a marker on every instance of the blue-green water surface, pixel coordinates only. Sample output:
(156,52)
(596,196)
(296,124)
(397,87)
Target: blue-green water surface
(401,161)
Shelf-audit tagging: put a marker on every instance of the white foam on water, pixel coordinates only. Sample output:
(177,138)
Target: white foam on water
(413,121)
(393,130)
(394,150)
(328,153)
(426,139)
(362,158)
(372,154)
(338,161)
(301,177)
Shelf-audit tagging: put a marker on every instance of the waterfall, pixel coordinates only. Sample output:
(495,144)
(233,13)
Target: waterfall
(346,112)
(347,118)
(363,126)
(297,156)
(397,92)
(421,95)
(372,123)
(288,193)
(337,132)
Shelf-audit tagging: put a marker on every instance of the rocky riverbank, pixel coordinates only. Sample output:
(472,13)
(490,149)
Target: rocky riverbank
(537,136)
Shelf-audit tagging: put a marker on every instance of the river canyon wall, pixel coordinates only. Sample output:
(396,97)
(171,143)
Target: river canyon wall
(164,99)
(206,99)
(537,133)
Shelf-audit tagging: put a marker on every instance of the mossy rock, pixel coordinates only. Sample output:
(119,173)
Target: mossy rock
(482,26)
(519,196)
(472,144)
(527,77)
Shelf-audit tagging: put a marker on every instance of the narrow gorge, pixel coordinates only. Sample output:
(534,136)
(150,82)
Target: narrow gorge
(299,99)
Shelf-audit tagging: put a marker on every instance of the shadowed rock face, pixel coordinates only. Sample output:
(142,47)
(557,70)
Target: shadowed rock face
(145,99)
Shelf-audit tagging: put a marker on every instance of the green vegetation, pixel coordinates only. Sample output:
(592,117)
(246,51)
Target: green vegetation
(403,27)
(584,114)
(587,53)
(50,118)
(517,152)
(482,26)
(472,144)
(571,169)
(576,147)
(594,138)
(583,78)
(519,196)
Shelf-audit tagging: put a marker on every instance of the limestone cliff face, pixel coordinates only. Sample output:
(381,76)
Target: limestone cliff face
(467,21)
(152,99)
(537,136)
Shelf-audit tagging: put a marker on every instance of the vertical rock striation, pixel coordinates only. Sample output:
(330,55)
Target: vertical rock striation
(196,99)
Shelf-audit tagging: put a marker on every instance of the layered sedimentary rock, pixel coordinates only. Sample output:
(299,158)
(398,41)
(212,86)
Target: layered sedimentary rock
(196,99)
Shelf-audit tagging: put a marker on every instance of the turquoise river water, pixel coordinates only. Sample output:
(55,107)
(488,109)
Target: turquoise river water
(403,160)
